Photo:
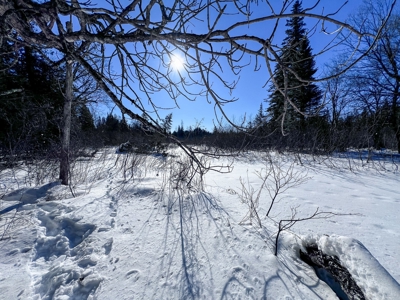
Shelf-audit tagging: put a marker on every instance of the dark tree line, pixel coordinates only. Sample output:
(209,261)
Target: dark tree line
(31,108)
(358,109)
(376,80)
(30,113)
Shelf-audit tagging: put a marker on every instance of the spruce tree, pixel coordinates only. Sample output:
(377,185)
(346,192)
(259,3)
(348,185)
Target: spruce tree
(259,118)
(166,123)
(296,58)
(84,118)
(29,116)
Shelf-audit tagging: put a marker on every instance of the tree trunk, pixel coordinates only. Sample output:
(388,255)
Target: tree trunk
(66,125)
(398,140)
(331,264)
(395,114)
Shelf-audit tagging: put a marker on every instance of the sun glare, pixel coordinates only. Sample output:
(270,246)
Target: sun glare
(176,62)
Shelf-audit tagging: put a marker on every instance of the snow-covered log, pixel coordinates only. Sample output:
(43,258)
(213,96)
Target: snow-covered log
(323,263)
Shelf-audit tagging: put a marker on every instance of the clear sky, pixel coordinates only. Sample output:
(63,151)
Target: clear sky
(251,90)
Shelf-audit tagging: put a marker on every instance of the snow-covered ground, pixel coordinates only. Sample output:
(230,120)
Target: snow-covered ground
(128,233)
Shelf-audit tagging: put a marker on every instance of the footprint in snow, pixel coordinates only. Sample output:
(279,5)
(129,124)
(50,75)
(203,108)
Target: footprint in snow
(87,262)
(108,246)
(133,275)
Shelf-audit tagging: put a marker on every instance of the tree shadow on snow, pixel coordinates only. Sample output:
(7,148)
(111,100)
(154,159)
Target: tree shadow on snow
(187,213)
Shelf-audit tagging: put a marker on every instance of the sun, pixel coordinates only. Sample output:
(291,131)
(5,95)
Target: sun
(177,62)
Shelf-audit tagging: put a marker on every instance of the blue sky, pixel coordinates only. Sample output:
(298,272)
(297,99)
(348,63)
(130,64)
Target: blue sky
(251,90)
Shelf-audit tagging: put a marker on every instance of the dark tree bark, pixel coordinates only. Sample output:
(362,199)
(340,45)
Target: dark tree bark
(317,259)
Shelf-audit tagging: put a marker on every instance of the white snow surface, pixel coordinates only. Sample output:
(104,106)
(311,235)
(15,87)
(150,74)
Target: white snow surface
(123,230)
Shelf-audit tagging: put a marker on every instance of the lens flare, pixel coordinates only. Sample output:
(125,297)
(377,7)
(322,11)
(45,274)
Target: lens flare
(176,62)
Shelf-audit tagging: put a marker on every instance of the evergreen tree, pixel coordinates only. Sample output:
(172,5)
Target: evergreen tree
(123,125)
(30,117)
(180,131)
(166,124)
(296,57)
(259,118)
(85,118)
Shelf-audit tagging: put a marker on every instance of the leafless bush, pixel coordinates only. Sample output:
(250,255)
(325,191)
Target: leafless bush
(276,179)
(286,224)
(184,174)
(282,179)
(10,223)
(87,169)
(130,165)
(251,197)
(39,171)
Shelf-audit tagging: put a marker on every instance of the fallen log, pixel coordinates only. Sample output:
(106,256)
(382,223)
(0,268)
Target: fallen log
(346,287)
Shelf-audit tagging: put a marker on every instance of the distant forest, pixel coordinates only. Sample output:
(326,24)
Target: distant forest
(31,116)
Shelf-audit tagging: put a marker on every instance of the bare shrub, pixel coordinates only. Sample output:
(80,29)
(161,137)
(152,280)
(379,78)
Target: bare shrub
(10,223)
(184,174)
(276,179)
(286,224)
(130,165)
(251,197)
(282,178)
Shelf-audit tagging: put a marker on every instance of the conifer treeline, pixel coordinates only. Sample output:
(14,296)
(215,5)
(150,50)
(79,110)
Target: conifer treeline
(31,103)
(30,122)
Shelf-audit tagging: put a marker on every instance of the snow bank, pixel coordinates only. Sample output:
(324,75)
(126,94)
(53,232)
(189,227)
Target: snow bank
(370,276)
(30,195)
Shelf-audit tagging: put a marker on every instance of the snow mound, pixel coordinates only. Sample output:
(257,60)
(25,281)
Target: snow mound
(370,276)
(30,195)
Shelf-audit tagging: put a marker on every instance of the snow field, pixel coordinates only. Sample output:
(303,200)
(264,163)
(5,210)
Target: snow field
(129,234)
